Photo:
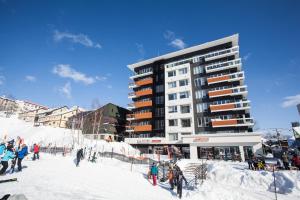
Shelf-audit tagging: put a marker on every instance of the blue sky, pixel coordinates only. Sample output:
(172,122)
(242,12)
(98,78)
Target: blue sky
(72,52)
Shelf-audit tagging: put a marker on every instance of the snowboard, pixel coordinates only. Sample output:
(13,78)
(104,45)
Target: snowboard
(8,180)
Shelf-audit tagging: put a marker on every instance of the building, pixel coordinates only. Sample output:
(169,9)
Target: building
(30,115)
(75,122)
(7,105)
(25,106)
(194,99)
(56,117)
(107,123)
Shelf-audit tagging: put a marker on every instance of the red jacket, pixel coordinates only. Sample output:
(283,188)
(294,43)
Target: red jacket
(36,149)
(296,160)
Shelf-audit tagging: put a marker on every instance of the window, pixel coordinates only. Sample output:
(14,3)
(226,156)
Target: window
(186,133)
(172,96)
(203,122)
(172,109)
(185,109)
(172,73)
(200,94)
(182,71)
(200,122)
(159,99)
(173,136)
(199,82)
(184,95)
(172,84)
(159,88)
(201,107)
(185,122)
(159,112)
(159,124)
(173,122)
(198,70)
(183,82)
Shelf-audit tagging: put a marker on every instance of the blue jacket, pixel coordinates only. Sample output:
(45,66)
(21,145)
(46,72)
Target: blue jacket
(154,170)
(23,152)
(2,148)
(8,155)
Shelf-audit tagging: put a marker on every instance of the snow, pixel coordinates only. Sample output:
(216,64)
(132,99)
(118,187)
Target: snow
(57,177)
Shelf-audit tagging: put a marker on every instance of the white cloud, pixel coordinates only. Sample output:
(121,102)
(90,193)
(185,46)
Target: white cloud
(178,43)
(173,40)
(101,78)
(66,90)
(75,38)
(30,78)
(247,56)
(291,101)
(65,71)
(2,79)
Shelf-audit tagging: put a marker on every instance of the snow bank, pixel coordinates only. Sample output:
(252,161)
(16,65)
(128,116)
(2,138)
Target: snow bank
(44,135)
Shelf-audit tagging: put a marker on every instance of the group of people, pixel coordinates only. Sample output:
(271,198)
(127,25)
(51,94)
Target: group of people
(14,151)
(175,177)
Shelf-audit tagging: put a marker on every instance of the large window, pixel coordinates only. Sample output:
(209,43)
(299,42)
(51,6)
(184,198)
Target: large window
(172,84)
(173,122)
(173,136)
(199,82)
(184,95)
(200,94)
(185,109)
(172,96)
(172,109)
(198,70)
(172,73)
(201,107)
(203,122)
(159,88)
(159,99)
(185,122)
(182,71)
(183,82)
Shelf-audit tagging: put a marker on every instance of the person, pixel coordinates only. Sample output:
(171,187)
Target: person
(296,161)
(171,177)
(2,148)
(250,163)
(154,172)
(79,156)
(255,163)
(36,151)
(285,161)
(8,155)
(180,178)
(21,154)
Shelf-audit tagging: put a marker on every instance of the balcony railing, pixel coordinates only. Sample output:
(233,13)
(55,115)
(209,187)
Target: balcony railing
(221,53)
(139,128)
(141,75)
(226,78)
(143,92)
(138,116)
(240,105)
(131,95)
(232,122)
(240,90)
(224,65)
(140,104)
(130,106)
(132,85)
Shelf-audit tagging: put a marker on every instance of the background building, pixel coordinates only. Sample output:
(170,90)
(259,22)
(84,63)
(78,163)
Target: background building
(195,99)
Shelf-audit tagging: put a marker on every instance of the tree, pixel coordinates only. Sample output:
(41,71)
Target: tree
(95,104)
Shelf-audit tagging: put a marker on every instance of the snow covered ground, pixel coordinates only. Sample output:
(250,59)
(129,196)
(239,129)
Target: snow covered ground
(56,177)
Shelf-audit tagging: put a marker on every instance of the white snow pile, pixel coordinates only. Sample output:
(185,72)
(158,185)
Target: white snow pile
(60,137)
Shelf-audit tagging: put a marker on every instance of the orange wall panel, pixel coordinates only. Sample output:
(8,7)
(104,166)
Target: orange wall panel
(146,115)
(143,92)
(143,128)
(221,107)
(220,92)
(217,79)
(139,104)
(224,122)
(144,82)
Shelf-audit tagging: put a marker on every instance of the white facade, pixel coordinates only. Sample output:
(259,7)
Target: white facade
(178,108)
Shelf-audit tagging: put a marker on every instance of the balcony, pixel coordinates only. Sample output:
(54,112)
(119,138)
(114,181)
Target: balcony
(221,53)
(240,105)
(142,82)
(130,117)
(139,128)
(224,65)
(146,115)
(131,95)
(240,90)
(232,122)
(239,76)
(130,106)
(140,104)
(140,75)
(143,92)
(132,85)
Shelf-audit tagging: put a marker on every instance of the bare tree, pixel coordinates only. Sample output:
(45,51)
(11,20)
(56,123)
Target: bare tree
(95,104)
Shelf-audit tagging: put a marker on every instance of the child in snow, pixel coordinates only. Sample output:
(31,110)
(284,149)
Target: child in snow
(171,177)
(8,155)
(154,172)
(36,151)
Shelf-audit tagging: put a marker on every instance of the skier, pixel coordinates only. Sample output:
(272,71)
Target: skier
(2,148)
(36,151)
(296,161)
(154,172)
(285,160)
(180,179)
(171,177)
(9,154)
(21,154)
(79,156)
(94,158)
(250,163)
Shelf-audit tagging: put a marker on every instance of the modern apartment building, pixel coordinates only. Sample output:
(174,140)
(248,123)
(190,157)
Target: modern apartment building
(194,99)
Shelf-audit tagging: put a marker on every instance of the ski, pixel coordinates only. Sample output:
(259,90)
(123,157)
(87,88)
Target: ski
(8,180)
